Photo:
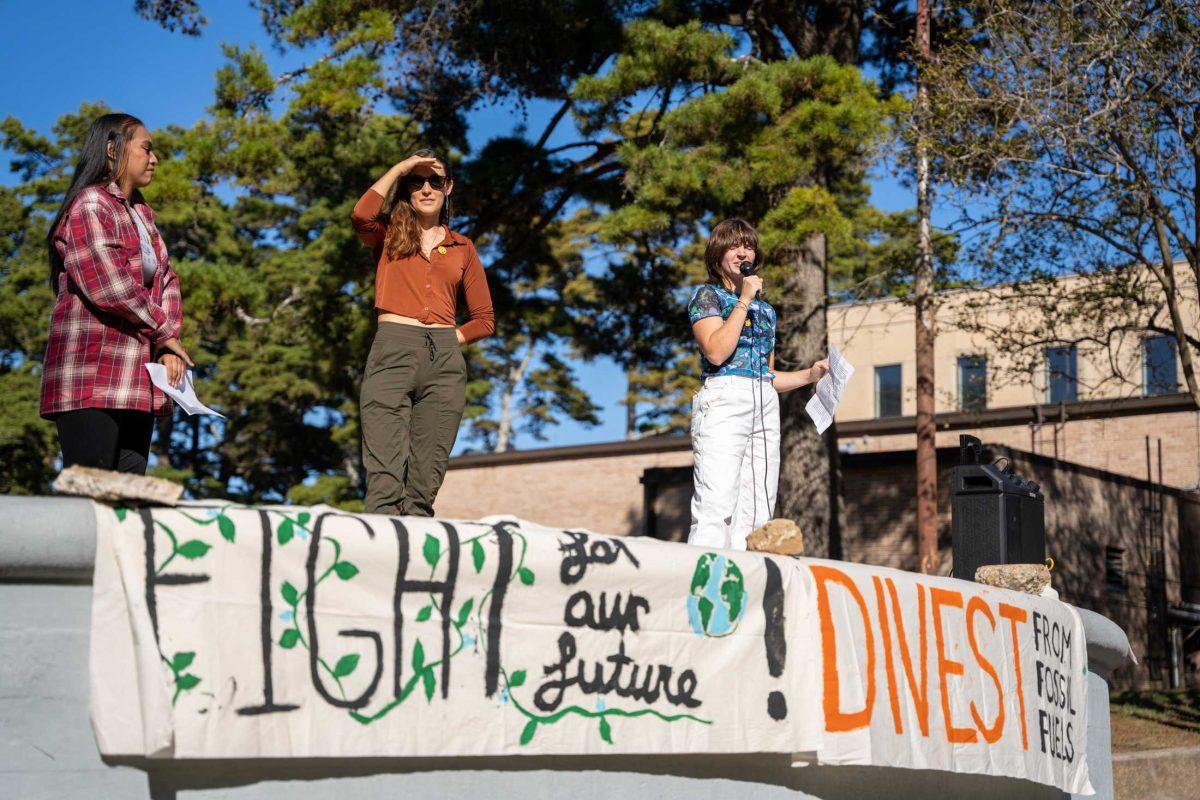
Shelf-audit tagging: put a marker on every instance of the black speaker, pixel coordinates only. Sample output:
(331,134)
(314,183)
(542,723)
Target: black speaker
(996,516)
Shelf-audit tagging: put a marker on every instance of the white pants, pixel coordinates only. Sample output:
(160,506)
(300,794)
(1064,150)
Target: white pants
(735,452)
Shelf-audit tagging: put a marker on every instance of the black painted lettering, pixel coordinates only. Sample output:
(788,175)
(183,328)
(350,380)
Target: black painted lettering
(311,609)
(268,706)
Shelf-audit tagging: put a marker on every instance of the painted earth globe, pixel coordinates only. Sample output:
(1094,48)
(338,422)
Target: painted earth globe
(718,596)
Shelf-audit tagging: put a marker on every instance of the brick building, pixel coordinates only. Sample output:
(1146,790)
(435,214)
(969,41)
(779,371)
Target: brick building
(1107,433)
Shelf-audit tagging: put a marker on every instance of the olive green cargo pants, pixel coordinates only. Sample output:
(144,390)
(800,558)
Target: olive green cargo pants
(412,400)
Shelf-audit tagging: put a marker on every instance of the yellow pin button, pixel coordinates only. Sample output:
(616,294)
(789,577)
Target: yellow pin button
(442,249)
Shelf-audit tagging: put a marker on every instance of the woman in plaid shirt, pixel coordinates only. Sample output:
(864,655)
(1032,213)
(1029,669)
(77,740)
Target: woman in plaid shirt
(117,304)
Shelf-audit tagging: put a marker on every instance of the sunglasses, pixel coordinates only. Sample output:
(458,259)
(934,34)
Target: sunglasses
(416,182)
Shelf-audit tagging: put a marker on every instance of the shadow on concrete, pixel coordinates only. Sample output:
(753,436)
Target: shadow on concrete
(168,778)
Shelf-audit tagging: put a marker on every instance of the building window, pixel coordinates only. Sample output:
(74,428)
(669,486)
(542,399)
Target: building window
(1062,382)
(1158,366)
(972,383)
(887,391)
(1114,568)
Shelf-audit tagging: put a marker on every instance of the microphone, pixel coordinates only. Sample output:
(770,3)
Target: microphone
(748,268)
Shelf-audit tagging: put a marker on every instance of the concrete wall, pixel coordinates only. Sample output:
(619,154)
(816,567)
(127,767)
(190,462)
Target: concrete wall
(47,750)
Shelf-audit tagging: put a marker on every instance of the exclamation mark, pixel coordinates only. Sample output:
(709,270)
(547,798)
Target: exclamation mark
(774,637)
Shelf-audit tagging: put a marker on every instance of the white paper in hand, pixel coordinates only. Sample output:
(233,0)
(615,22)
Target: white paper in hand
(829,390)
(185,396)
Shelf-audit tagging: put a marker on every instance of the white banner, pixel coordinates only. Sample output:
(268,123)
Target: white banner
(234,632)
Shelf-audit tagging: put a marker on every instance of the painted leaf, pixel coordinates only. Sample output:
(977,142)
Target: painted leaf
(303,518)
(285,532)
(432,549)
(516,679)
(425,613)
(605,730)
(182,661)
(193,549)
(526,576)
(477,555)
(428,681)
(225,525)
(188,681)
(345,570)
(465,611)
(345,665)
(290,595)
(120,512)
(530,729)
(289,639)
(418,660)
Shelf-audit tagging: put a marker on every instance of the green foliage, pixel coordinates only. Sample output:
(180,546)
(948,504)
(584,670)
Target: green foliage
(333,490)
(702,136)
(589,248)
(28,443)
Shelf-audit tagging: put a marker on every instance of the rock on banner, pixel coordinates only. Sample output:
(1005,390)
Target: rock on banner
(236,632)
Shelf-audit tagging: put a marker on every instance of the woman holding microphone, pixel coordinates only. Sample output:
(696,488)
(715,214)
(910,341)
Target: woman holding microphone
(414,389)
(117,304)
(735,415)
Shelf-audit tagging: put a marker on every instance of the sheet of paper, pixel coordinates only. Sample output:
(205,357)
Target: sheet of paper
(829,390)
(185,397)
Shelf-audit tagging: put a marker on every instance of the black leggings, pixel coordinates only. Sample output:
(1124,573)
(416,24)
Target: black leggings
(107,438)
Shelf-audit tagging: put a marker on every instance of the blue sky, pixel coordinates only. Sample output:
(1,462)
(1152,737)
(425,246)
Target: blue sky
(58,55)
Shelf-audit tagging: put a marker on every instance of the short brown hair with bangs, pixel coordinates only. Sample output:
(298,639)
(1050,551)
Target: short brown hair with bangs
(725,236)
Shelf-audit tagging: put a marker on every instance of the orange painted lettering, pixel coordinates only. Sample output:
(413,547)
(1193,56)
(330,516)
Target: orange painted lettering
(991,733)
(889,667)
(837,720)
(920,693)
(1014,615)
(946,666)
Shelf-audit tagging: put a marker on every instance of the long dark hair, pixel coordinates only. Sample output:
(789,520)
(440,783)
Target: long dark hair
(404,231)
(93,167)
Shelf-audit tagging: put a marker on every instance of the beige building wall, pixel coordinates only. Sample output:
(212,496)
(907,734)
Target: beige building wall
(882,332)
(599,493)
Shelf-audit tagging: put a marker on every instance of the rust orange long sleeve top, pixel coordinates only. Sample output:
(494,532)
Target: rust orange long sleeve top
(426,289)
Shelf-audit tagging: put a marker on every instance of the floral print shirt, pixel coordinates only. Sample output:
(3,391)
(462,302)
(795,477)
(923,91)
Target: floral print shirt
(757,338)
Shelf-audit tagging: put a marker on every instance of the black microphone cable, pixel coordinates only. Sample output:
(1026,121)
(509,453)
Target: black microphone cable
(748,268)
(762,422)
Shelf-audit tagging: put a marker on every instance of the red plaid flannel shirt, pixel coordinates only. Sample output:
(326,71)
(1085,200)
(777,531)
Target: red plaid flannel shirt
(106,324)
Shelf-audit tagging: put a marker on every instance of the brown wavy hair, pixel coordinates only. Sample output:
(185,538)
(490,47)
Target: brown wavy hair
(404,231)
(726,235)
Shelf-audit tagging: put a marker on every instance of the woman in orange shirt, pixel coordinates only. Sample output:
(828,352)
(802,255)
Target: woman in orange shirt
(414,388)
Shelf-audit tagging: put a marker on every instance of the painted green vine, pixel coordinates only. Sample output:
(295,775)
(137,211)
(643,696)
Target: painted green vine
(287,530)
(192,550)
(601,713)
(424,673)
